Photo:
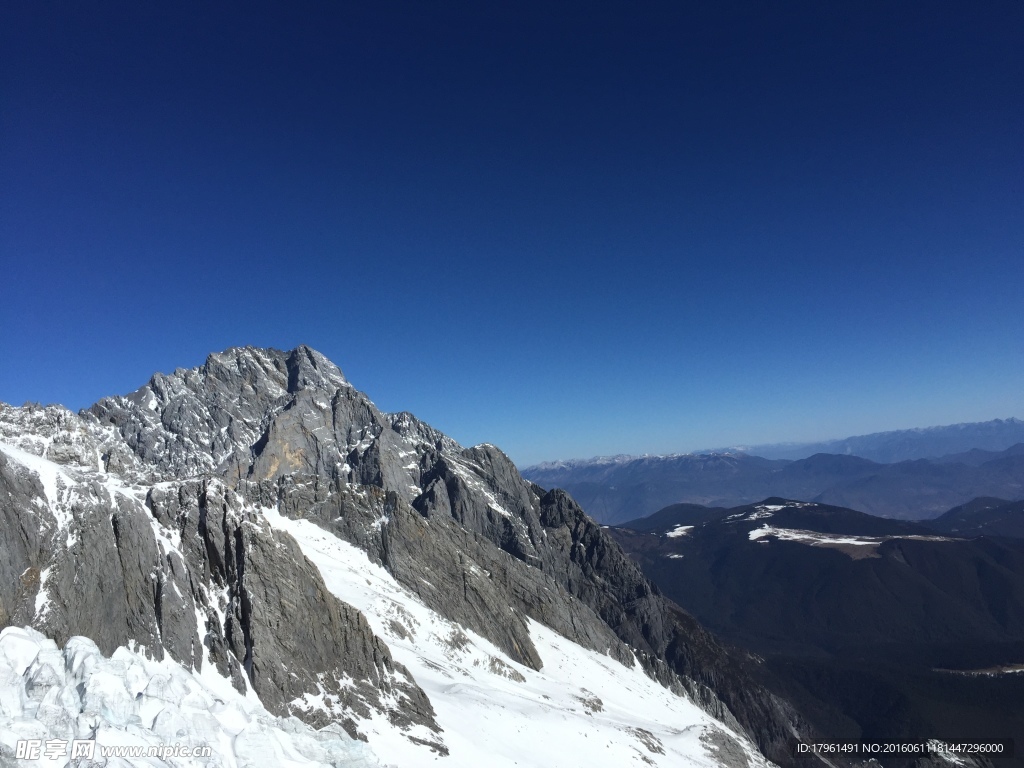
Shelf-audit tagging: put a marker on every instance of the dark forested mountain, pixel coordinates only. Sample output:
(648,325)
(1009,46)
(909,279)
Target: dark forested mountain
(908,444)
(880,626)
(675,515)
(625,488)
(983,517)
(977,456)
(257,524)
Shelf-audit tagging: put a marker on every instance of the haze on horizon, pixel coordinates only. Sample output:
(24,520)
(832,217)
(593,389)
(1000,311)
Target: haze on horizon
(568,231)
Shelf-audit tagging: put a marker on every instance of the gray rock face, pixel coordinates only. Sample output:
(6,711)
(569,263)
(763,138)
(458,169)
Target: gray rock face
(22,545)
(184,569)
(282,623)
(208,419)
(161,541)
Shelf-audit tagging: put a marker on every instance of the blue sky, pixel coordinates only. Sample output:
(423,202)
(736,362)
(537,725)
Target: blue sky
(567,229)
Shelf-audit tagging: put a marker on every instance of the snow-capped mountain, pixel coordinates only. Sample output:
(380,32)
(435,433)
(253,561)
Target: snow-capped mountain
(350,586)
(908,444)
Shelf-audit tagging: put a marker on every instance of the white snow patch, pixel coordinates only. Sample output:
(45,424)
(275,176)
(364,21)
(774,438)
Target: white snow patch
(816,539)
(42,596)
(767,510)
(50,475)
(811,537)
(55,482)
(679,530)
(1003,669)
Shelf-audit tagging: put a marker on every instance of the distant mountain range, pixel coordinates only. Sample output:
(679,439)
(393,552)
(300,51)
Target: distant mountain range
(906,444)
(864,617)
(621,488)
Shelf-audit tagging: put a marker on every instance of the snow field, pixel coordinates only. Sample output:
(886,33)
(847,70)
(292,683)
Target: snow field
(582,709)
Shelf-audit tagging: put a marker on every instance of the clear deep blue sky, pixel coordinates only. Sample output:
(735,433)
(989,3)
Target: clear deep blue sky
(564,228)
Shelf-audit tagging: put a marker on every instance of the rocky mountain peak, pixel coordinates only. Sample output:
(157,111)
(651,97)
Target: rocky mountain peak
(218,417)
(178,503)
(308,369)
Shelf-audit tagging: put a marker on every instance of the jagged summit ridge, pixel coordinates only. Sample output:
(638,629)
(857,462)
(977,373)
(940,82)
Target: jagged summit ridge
(210,418)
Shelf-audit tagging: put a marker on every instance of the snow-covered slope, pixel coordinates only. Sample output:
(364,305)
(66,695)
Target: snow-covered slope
(580,709)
